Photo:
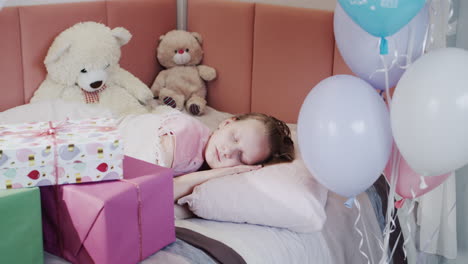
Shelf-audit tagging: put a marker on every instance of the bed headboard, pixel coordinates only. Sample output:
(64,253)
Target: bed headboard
(267,57)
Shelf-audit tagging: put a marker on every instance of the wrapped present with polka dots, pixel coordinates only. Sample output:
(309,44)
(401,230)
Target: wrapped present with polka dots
(49,153)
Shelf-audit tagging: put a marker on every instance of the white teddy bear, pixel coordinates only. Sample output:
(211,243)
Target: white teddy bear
(83,65)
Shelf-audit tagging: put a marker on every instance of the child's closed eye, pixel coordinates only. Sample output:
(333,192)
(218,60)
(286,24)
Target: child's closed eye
(240,156)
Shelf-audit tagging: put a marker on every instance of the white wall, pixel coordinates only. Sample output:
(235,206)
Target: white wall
(39,2)
(319,4)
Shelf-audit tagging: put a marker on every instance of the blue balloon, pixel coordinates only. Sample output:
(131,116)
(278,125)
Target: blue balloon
(382,18)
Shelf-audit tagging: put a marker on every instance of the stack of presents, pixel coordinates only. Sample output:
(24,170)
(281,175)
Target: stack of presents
(67,188)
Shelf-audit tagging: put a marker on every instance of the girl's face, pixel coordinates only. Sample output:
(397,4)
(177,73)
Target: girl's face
(243,142)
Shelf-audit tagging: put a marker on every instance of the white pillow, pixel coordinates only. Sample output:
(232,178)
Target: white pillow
(283,195)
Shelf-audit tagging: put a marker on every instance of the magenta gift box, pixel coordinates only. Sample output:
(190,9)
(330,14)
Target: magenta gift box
(99,222)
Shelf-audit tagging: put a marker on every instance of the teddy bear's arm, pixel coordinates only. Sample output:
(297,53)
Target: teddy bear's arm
(47,90)
(159,82)
(133,85)
(207,73)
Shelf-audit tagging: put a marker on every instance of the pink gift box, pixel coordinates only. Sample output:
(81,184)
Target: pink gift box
(100,222)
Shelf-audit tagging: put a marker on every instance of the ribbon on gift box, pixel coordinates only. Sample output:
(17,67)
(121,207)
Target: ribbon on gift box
(50,131)
(140,232)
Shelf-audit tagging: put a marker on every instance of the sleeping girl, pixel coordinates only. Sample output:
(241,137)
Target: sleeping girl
(241,143)
(173,139)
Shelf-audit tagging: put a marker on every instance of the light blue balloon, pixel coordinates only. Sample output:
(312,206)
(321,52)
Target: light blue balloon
(382,18)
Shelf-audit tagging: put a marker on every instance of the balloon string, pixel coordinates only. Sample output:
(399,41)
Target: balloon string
(408,225)
(390,226)
(436,231)
(433,15)
(386,69)
(395,247)
(409,52)
(361,242)
(387,83)
(426,36)
(394,215)
(389,229)
(451,23)
(422,183)
(390,222)
(408,57)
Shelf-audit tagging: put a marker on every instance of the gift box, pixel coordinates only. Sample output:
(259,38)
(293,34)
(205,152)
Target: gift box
(20,226)
(48,153)
(121,221)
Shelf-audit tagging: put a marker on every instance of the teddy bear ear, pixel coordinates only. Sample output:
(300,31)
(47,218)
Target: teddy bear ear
(122,35)
(55,52)
(198,37)
(161,38)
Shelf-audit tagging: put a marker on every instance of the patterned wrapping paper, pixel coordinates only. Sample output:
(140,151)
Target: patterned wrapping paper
(87,150)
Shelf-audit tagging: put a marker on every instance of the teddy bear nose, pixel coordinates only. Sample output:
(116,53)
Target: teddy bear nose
(181,51)
(96,84)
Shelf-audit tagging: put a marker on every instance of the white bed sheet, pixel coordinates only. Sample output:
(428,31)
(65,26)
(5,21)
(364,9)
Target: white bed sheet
(259,244)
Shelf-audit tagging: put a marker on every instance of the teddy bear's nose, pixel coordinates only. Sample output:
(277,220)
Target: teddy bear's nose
(96,84)
(181,51)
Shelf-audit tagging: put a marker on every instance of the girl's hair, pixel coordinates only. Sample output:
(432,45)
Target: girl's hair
(281,144)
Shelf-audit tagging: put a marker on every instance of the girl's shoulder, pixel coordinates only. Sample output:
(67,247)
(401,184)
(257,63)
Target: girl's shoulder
(191,137)
(181,123)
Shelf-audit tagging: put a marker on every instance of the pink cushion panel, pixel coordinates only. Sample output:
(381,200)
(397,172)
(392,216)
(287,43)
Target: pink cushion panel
(11,70)
(227,30)
(146,20)
(293,51)
(40,24)
(339,65)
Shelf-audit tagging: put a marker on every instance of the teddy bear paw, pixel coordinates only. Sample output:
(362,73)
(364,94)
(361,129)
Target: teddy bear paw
(194,109)
(207,73)
(169,101)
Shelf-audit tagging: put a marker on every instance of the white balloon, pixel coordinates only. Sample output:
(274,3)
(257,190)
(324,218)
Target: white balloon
(429,113)
(344,134)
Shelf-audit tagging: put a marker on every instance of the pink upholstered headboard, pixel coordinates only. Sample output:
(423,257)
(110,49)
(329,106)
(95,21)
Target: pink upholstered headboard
(268,57)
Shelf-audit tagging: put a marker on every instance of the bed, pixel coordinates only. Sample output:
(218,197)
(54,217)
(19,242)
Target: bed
(267,57)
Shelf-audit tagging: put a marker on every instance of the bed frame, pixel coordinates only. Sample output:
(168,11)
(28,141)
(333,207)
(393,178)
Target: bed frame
(268,57)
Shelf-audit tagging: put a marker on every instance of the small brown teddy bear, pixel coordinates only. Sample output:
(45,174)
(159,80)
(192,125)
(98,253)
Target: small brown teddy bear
(183,81)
